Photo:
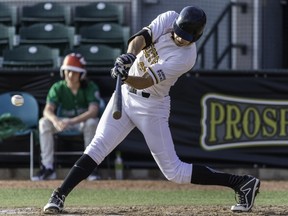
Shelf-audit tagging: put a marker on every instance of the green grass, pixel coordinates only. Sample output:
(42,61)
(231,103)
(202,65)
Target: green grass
(106,197)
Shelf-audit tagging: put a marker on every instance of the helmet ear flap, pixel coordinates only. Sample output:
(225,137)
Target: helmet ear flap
(61,73)
(83,76)
(197,37)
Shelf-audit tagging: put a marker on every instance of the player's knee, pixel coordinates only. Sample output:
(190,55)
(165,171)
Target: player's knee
(179,174)
(92,122)
(90,126)
(176,179)
(45,125)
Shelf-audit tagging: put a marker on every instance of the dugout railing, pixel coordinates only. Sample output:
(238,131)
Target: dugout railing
(213,34)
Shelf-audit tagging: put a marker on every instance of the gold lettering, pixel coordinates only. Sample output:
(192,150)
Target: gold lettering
(269,118)
(283,122)
(151,55)
(247,123)
(142,67)
(232,122)
(216,118)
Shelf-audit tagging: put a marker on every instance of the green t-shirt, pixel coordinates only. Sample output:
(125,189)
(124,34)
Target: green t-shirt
(70,105)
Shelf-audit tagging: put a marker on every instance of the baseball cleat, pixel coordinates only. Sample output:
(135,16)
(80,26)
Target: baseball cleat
(246,194)
(44,174)
(55,204)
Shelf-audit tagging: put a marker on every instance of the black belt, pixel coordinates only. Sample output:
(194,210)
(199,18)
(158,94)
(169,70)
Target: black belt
(138,92)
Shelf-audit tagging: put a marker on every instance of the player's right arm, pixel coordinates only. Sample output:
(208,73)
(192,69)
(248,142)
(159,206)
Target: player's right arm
(136,43)
(142,39)
(52,102)
(49,113)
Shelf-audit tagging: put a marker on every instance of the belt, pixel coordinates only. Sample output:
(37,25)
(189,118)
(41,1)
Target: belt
(139,92)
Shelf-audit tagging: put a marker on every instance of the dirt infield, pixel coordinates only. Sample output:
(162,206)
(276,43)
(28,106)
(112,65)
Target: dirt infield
(151,211)
(182,210)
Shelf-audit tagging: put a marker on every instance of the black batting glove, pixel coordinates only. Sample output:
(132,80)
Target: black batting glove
(122,66)
(125,60)
(119,71)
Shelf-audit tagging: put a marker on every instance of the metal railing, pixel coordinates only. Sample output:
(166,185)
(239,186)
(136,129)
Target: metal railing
(214,33)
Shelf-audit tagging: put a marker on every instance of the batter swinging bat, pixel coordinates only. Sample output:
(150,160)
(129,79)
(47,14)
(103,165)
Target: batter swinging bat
(117,103)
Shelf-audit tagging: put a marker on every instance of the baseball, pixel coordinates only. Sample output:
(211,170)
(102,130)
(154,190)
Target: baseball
(17,100)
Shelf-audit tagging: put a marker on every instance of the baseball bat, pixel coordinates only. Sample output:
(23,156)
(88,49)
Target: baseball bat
(117,103)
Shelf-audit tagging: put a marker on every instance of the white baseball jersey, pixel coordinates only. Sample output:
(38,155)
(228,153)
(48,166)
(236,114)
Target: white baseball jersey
(165,61)
(149,112)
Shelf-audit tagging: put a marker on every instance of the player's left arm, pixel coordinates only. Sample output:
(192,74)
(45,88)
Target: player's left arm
(92,112)
(140,82)
(92,96)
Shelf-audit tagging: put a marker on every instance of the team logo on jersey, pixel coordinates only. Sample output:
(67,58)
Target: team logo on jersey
(151,54)
(234,122)
(161,75)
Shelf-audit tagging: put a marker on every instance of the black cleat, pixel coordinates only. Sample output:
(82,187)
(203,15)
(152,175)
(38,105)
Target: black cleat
(55,204)
(246,194)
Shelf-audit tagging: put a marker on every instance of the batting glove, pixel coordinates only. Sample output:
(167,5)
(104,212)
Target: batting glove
(119,71)
(125,60)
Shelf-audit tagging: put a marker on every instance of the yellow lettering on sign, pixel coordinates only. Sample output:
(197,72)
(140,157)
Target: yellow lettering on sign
(217,109)
(269,119)
(283,122)
(249,122)
(229,122)
(233,119)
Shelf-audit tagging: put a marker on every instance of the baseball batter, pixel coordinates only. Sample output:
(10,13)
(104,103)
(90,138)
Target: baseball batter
(156,57)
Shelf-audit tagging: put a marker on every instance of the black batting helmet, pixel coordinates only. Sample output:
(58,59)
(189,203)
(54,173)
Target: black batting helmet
(190,23)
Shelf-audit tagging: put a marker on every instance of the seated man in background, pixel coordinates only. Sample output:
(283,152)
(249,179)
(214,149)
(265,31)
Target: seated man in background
(72,104)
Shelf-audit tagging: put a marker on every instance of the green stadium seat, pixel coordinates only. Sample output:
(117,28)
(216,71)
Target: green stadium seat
(96,12)
(8,14)
(31,56)
(45,12)
(97,55)
(111,34)
(7,34)
(55,35)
